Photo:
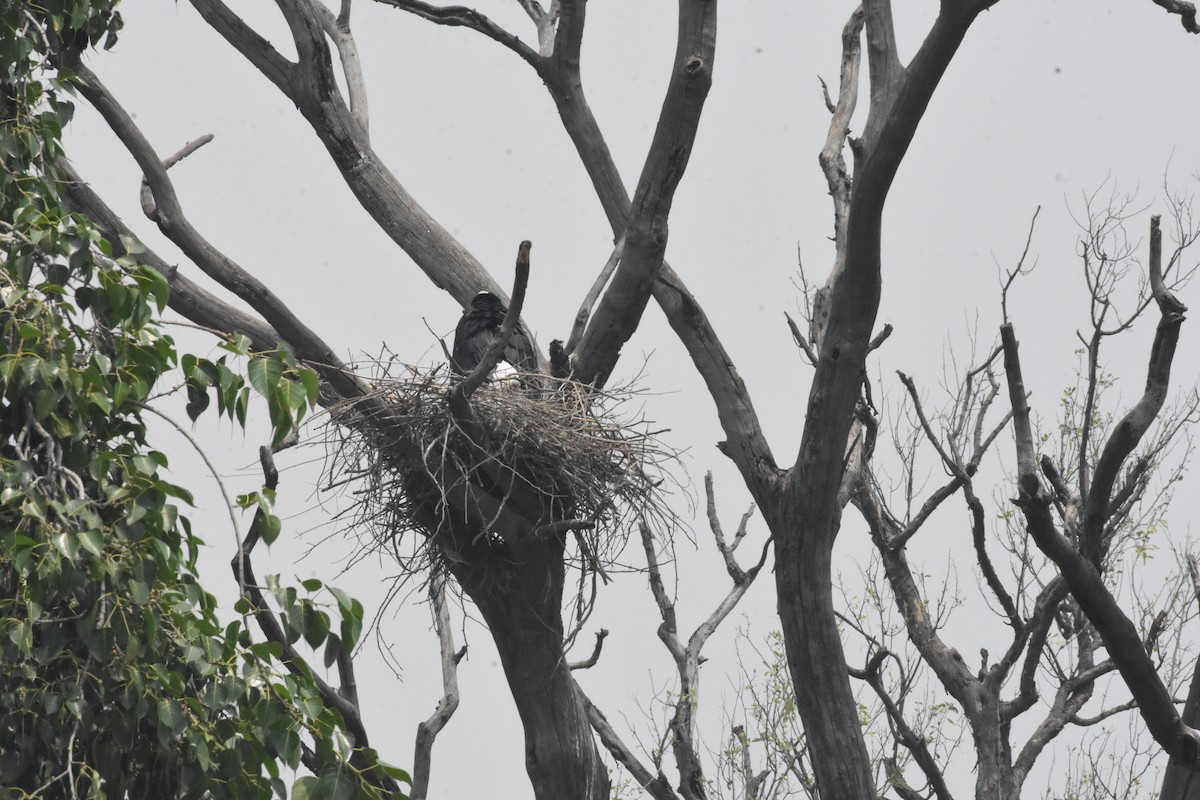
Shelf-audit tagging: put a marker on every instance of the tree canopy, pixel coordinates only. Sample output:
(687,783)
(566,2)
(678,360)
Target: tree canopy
(120,678)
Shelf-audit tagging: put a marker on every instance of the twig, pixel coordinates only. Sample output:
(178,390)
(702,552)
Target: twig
(585,308)
(591,660)
(801,342)
(458,16)
(147,197)
(880,337)
(229,504)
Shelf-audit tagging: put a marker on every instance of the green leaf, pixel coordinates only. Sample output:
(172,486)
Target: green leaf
(396,772)
(102,402)
(43,404)
(303,788)
(333,649)
(333,785)
(297,397)
(65,543)
(270,527)
(132,246)
(344,600)
(139,592)
(315,626)
(312,383)
(241,406)
(198,401)
(265,373)
(267,650)
(92,541)
(170,715)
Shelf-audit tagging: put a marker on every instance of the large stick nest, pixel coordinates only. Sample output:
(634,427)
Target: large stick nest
(587,459)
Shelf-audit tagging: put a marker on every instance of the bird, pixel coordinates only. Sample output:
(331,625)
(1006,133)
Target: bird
(478,328)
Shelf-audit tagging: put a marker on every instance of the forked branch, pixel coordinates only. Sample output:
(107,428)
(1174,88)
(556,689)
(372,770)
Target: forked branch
(687,656)
(1080,567)
(311,84)
(175,225)
(338,30)
(1128,433)
(620,309)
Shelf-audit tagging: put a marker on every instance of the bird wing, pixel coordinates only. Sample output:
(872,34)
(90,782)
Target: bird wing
(471,340)
(476,330)
(519,351)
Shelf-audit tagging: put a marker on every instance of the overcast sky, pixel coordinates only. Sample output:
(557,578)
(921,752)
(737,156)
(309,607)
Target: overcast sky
(1048,101)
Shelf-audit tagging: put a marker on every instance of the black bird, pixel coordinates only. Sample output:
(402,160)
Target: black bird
(478,327)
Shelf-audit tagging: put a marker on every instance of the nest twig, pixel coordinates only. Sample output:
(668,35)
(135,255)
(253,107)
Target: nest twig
(558,456)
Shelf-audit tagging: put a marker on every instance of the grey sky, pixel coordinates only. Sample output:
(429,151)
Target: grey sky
(1046,102)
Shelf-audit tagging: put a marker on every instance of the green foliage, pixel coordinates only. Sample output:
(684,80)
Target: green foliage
(289,389)
(117,678)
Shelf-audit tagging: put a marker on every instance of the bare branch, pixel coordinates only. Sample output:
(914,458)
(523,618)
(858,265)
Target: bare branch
(338,29)
(837,176)
(656,785)
(1179,776)
(257,50)
(687,658)
(591,660)
(585,308)
(428,730)
(883,60)
(951,464)
(546,22)
(1129,431)
(171,220)
(461,16)
(1019,270)
(945,661)
(1086,722)
(1037,630)
(880,337)
(186,297)
(961,473)
(799,339)
(439,255)
(745,443)
(148,207)
(668,631)
(910,739)
(1120,635)
(1185,10)
(569,38)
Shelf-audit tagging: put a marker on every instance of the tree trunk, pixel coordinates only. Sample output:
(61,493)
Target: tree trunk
(803,572)
(994,776)
(520,597)
(1181,781)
